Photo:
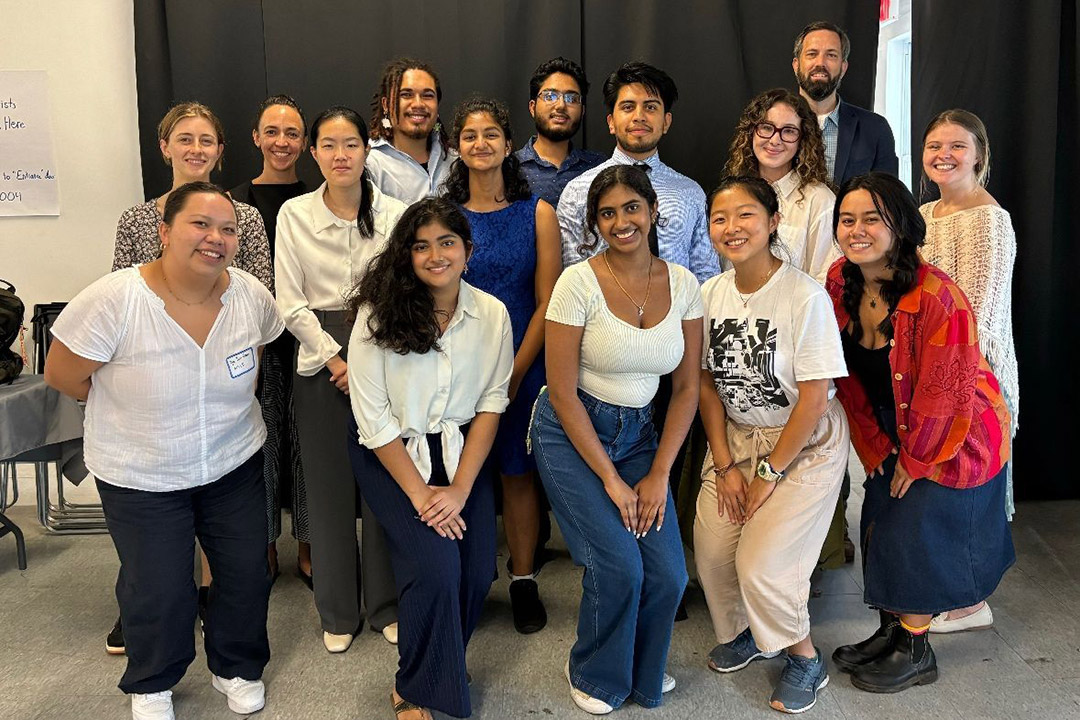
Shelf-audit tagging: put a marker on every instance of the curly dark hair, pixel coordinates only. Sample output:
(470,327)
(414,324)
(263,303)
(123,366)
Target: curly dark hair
(632,177)
(365,216)
(759,189)
(809,162)
(900,213)
(402,315)
(389,85)
(515,186)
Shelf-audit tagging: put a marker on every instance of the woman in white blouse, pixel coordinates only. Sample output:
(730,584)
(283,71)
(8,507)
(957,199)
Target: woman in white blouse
(615,324)
(778,139)
(430,364)
(166,356)
(325,240)
(778,444)
(971,238)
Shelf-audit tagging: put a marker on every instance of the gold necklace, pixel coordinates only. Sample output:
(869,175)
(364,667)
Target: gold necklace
(165,279)
(746,300)
(648,286)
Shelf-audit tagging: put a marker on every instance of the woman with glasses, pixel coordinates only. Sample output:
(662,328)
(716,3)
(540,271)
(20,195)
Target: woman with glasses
(778,139)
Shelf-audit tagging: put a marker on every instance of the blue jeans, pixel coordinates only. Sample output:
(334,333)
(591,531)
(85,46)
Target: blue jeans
(631,587)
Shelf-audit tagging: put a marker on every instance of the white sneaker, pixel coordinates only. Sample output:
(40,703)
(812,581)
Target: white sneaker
(336,643)
(390,633)
(586,702)
(152,706)
(668,685)
(981,619)
(245,696)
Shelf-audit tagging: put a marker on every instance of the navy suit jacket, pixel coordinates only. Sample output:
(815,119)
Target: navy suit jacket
(864,143)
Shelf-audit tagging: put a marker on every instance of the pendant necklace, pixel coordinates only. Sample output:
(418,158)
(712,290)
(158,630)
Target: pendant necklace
(746,300)
(648,286)
(873,298)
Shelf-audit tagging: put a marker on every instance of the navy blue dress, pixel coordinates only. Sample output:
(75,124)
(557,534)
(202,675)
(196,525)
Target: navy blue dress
(503,264)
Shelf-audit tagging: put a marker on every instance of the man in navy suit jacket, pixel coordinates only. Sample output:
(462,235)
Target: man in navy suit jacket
(856,140)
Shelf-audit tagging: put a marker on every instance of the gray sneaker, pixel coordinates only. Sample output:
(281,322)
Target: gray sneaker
(799,684)
(737,654)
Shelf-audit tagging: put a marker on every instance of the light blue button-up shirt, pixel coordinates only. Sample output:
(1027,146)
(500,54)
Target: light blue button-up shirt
(683,233)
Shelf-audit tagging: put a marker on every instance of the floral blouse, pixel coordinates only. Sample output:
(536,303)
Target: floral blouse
(137,240)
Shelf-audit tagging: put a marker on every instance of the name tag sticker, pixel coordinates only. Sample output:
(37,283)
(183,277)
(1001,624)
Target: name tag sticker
(241,362)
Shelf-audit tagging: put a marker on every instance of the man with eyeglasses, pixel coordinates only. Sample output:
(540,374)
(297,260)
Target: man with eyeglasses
(856,140)
(408,157)
(639,98)
(557,92)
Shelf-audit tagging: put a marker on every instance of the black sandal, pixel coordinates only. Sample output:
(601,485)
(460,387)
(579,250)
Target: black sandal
(404,706)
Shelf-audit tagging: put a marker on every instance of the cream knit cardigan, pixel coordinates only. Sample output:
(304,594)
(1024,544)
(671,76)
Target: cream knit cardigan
(977,249)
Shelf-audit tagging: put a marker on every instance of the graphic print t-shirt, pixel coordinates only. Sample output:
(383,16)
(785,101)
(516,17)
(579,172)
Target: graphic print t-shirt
(757,354)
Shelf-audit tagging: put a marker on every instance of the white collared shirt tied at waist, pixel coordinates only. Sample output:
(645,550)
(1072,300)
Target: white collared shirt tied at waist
(409,396)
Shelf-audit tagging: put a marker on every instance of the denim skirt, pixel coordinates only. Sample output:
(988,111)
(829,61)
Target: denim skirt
(936,548)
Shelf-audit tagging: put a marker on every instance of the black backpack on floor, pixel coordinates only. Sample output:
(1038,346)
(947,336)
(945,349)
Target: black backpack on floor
(12,311)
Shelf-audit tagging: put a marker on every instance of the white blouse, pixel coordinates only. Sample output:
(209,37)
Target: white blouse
(164,414)
(408,396)
(806,229)
(622,364)
(318,259)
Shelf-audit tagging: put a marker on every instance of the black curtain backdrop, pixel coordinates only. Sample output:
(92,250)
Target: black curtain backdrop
(1017,69)
(230,54)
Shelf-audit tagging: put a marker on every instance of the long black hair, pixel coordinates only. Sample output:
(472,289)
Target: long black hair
(515,186)
(632,177)
(900,213)
(365,216)
(402,315)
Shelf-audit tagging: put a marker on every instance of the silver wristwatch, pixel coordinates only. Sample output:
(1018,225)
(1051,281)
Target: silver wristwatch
(766,472)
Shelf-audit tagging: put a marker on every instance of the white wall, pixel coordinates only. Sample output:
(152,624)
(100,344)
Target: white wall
(88,49)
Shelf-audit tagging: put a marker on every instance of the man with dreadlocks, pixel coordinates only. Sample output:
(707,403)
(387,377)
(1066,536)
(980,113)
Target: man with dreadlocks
(408,158)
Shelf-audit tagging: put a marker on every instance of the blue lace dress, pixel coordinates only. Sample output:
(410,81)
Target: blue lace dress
(504,264)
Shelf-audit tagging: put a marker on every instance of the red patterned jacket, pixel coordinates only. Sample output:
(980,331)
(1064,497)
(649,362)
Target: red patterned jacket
(950,415)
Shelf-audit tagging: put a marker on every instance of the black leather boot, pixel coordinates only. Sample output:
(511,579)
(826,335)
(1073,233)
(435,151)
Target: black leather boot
(849,657)
(910,662)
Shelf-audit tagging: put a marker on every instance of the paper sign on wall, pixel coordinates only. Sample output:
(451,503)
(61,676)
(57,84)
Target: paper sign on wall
(28,184)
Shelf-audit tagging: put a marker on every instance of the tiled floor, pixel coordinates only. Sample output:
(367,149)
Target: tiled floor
(54,617)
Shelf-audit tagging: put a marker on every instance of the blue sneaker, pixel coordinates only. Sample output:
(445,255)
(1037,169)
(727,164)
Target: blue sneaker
(737,654)
(799,683)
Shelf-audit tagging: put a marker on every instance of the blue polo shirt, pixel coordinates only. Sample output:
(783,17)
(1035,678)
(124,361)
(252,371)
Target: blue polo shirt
(548,181)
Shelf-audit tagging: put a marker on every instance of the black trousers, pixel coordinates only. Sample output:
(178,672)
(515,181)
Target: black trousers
(154,534)
(441,583)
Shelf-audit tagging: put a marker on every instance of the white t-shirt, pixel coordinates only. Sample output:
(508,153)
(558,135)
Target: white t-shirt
(163,413)
(622,364)
(785,334)
(407,396)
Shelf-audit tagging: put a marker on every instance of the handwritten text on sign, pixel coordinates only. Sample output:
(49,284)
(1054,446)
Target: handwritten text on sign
(28,184)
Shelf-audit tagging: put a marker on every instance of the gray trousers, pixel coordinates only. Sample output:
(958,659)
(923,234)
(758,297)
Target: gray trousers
(322,414)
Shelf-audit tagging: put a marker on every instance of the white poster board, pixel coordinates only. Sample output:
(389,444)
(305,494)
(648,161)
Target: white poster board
(28,184)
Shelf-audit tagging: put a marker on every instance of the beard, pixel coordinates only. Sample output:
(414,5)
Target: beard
(818,90)
(555,134)
(642,144)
